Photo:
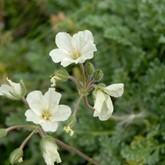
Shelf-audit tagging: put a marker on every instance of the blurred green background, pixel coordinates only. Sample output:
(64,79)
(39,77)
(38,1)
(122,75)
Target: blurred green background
(130,38)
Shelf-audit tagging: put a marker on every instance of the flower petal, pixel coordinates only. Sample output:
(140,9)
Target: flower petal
(36,102)
(86,35)
(64,41)
(5,90)
(58,55)
(83,42)
(62,114)
(31,116)
(49,126)
(67,61)
(107,109)
(85,57)
(115,90)
(100,98)
(81,39)
(52,98)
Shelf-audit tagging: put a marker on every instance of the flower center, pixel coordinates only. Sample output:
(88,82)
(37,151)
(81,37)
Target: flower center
(75,55)
(46,115)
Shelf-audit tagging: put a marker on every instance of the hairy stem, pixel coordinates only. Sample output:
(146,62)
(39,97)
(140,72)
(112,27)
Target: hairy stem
(75,81)
(87,103)
(28,138)
(70,148)
(41,132)
(20,126)
(77,105)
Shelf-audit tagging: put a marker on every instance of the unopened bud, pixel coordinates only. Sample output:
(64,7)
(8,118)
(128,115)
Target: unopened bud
(98,75)
(14,91)
(89,68)
(3,132)
(61,75)
(16,156)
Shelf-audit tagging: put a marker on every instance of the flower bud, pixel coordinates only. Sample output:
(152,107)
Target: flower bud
(98,75)
(16,156)
(3,132)
(61,75)
(14,91)
(49,150)
(89,68)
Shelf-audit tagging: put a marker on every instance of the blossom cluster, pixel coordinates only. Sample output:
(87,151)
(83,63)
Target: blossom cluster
(45,110)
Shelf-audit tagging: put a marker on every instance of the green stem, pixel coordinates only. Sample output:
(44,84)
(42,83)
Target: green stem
(87,103)
(41,132)
(28,138)
(70,148)
(75,81)
(20,126)
(77,105)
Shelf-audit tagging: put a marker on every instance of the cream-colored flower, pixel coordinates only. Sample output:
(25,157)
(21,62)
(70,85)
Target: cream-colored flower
(15,91)
(103,104)
(49,151)
(45,109)
(75,49)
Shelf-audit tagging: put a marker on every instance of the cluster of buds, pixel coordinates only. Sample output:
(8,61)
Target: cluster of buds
(45,112)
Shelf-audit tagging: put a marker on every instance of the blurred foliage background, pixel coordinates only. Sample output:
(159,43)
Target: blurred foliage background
(130,38)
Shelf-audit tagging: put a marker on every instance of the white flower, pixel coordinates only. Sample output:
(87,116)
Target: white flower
(13,91)
(75,49)
(103,105)
(49,151)
(45,109)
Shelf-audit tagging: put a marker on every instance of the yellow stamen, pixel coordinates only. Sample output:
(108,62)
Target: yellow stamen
(75,55)
(46,115)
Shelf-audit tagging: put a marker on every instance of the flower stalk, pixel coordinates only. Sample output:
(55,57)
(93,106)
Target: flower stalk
(77,105)
(27,139)
(72,149)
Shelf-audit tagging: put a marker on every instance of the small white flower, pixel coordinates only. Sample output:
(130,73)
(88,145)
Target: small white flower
(103,104)
(49,151)
(45,109)
(75,49)
(13,91)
